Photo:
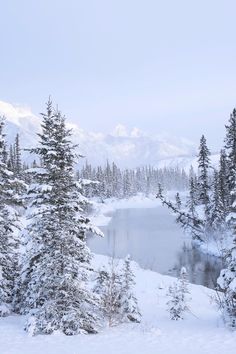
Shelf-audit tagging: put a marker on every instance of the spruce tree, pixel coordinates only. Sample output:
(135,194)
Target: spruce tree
(223,185)
(216,205)
(18,163)
(230,147)
(8,232)
(227,279)
(203,178)
(179,297)
(129,301)
(192,200)
(56,266)
(109,288)
(227,284)
(115,289)
(178,202)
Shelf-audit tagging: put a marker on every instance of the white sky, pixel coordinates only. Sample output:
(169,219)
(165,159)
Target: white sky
(157,65)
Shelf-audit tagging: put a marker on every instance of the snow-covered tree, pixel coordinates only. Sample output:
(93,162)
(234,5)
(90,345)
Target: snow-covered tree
(56,265)
(17,151)
(230,148)
(129,301)
(179,297)
(217,207)
(8,232)
(223,184)
(178,202)
(115,288)
(118,183)
(203,178)
(227,283)
(109,288)
(227,279)
(192,200)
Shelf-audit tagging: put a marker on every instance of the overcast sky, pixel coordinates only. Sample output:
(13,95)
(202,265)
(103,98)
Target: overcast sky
(156,65)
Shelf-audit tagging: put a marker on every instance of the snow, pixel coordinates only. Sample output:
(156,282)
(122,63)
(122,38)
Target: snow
(202,331)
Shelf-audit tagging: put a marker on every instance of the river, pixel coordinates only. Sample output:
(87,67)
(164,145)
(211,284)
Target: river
(153,239)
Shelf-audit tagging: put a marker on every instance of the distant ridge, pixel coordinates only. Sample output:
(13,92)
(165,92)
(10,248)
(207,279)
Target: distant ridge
(126,148)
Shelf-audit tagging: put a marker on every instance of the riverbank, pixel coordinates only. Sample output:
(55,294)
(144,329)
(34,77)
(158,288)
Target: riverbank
(202,329)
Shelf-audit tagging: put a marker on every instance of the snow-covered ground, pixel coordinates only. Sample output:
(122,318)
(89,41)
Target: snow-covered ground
(202,331)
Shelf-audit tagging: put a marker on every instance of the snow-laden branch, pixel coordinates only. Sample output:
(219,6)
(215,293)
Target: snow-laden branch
(187,221)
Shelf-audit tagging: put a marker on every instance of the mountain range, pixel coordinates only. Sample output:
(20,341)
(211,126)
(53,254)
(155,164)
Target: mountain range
(126,148)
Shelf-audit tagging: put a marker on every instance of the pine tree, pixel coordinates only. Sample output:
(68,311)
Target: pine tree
(227,283)
(11,159)
(203,178)
(109,288)
(101,280)
(115,288)
(178,293)
(223,185)
(192,198)
(57,261)
(178,202)
(18,163)
(129,301)
(218,208)
(230,147)
(227,279)
(8,228)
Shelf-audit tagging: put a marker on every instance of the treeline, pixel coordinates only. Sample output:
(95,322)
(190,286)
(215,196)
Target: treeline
(115,182)
(209,214)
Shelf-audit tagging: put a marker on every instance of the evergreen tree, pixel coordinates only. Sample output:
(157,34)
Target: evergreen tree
(223,185)
(218,212)
(8,226)
(192,198)
(109,288)
(178,293)
(18,163)
(203,178)
(130,303)
(227,279)
(11,159)
(178,201)
(115,288)
(230,147)
(56,265)
(227,283)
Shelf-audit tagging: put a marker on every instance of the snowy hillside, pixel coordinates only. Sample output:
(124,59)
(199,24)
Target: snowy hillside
(200,332)
(127,149)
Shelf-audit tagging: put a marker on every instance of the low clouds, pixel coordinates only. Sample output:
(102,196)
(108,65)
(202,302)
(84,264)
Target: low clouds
(16,113)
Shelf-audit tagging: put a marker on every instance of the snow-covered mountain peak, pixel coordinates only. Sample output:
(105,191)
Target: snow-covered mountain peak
(128,148)
(123,132)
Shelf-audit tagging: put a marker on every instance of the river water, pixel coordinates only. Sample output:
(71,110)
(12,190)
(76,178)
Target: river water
(153,239)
